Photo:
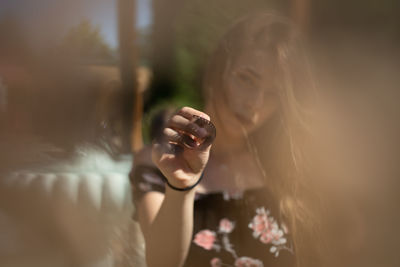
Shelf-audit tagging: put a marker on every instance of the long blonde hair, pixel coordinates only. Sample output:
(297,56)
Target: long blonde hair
(280,145)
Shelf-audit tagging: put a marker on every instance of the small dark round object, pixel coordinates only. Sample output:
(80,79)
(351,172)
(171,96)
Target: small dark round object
(193,142)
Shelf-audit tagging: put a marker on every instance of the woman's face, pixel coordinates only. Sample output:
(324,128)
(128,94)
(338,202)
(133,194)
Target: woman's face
(251,91)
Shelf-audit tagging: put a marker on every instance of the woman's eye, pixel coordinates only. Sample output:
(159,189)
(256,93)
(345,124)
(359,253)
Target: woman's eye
(246,79)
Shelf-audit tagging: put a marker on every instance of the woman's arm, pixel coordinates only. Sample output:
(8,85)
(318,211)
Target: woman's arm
(167,219)
(167,224)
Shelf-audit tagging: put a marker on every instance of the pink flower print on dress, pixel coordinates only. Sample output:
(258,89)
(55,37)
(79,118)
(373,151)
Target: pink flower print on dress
(205,239)
(266,237)
(226,226)
(248,262)
(277,238)
(267,230)
(216,262)
(261,223)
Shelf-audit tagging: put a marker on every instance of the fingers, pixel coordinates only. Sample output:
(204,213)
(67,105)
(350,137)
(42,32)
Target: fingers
(171,135)
(196,129)
(165,148)
(193,122)
(188,113)
(176,138)
(168,142)
(188,128)
(182,124)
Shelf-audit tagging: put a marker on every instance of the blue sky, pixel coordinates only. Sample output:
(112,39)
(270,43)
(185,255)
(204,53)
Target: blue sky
(50,19)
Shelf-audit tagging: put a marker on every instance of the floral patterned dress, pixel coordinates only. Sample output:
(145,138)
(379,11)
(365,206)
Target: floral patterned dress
(240,231)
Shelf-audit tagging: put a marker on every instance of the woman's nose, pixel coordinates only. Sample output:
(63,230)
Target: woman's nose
(256,99)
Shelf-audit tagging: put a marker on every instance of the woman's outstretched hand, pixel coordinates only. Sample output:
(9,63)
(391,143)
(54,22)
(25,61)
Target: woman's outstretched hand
(182,152)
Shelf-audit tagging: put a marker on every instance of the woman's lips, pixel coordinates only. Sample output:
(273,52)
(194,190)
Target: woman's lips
(248,119)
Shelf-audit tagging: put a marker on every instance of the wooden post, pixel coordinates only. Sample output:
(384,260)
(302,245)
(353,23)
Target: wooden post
(143,80)
(128,52)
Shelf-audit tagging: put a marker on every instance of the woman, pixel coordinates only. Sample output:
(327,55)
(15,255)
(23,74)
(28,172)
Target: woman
(248,209)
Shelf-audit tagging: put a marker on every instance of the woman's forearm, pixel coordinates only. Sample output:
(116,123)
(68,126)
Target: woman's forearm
(168,219)
(169,235)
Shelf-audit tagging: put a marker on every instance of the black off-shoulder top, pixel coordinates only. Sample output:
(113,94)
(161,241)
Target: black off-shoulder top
(241,230)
